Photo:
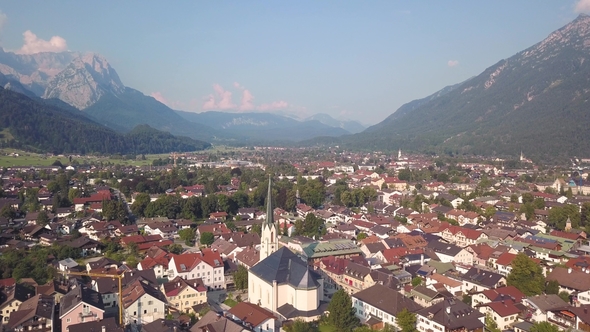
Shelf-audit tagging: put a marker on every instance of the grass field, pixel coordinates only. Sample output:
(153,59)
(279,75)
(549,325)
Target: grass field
(13,158)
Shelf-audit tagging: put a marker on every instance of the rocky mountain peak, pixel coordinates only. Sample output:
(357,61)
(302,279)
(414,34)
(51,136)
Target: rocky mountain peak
(86,79)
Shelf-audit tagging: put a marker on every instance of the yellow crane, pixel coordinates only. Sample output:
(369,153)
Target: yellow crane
(119,277)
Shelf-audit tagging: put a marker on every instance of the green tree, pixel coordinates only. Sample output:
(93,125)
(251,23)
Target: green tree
(175,249)
(361,236)
(8,212)
(416,281)
(564,296)
(241,278)
(207,238)
(552,287)
(133,249)
(301,326)
(141,202)
(342,314)
(187,235)
(526,275)
(543,327)
(491,325)
(406,320)
(42,218)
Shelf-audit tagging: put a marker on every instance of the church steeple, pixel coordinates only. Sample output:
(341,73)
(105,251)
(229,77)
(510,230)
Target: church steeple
(269,241)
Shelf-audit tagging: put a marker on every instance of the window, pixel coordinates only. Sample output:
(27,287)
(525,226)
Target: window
(150,302)
(145,311)
(155,309)
(68,320)
(135,313)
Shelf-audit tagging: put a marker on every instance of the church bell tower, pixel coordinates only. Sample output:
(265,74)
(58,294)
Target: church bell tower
(269,233)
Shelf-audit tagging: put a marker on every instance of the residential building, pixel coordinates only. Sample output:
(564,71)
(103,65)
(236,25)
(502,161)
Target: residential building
(143,303)
(79,305)
(254,317)
(182,295)
(379,305)
(450,315)
(34,314)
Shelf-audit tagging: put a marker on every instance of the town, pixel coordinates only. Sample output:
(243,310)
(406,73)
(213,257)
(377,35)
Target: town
(296,239)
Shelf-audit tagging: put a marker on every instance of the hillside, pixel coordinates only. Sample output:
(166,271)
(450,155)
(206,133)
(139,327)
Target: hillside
(535,101)
(261,127)
(44,127)
(131,108)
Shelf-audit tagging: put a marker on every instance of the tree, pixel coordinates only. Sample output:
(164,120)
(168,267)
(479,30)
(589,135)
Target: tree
(42,218)
(564,296)
(361,236)
(544,327)
(207,238)
(491,325)
(141,202)
(406,320)
(8,212)
(342,314)
(187,235)
(175,249)
(552,287)
(241,278)
(133,249)
(301,326)
(526,275)
(417,281)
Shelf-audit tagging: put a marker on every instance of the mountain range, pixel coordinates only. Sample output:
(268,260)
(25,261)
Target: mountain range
(88,83)
(536,101)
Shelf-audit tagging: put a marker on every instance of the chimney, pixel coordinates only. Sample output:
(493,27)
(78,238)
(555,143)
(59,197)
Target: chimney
(103,328)
(569,270)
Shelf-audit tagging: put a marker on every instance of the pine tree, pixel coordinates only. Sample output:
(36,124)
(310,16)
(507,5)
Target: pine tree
(342,313)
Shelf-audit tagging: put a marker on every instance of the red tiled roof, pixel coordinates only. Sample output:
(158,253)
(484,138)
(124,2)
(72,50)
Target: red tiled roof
(504,308)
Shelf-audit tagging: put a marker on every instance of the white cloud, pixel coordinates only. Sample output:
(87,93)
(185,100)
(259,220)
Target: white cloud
(452,63)
(33,44)
(222,100)
(582,6)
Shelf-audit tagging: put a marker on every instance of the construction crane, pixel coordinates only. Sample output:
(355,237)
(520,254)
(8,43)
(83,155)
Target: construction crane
(119,277)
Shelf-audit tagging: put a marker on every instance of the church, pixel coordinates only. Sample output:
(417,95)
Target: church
(282,282)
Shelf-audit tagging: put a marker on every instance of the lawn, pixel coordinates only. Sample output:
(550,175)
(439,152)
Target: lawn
(324,327)
(231,303)
(34,159)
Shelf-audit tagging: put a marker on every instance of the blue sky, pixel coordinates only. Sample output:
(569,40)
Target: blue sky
(359,60)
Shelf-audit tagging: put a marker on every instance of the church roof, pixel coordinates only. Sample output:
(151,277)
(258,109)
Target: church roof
(286,268)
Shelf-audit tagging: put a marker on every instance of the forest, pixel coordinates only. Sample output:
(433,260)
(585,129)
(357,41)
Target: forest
(39,126)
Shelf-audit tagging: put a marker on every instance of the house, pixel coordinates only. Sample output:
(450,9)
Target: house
(447,252)
(254,317)
(570,280)
(12,296)
(206,265)
(570,318)
(109,288)
(539,306)
(67,264)
(450,315)
(425,296)
(379,305)
(79,305)
(108,324)
(247,257)
(35,314)
(497,294)
(182,295)
(477,280)
(504,313)
(504,263)
(212,321)
(143,303)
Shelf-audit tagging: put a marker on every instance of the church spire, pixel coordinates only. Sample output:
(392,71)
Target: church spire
(270,220)
(269,237)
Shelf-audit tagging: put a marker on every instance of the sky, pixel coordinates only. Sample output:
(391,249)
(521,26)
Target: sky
(357,60)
